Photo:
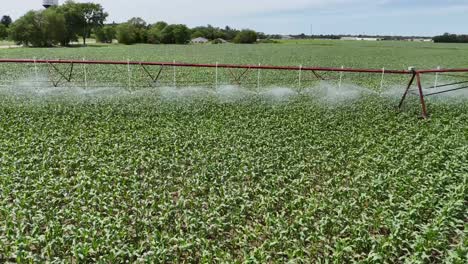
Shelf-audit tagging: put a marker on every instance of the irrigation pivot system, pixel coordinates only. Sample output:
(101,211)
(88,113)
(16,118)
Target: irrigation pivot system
(414,75)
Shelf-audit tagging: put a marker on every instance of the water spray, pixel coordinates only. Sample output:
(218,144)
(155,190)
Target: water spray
(414,74)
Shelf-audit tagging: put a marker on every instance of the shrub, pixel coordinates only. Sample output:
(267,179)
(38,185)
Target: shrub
(3,31)
(154,35)
(268,41)
(126,34)
(246,36)
(105,34)
(39,28)
(175,34)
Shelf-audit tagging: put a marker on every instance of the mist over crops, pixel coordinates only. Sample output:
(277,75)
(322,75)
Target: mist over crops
(38,88)
(111,170)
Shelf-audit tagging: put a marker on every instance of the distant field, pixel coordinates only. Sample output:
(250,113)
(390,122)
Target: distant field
(325,53)
(198,173)
(361,54)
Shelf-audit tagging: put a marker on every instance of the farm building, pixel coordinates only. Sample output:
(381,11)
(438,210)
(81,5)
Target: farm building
(219,41)
(364,39)
(421,40)
(200,40)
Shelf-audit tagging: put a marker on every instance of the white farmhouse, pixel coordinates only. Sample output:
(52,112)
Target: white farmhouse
(200,40)
(362,39)
(421,40)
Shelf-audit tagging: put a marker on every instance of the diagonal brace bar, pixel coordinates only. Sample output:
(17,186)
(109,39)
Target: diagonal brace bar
(407,90)
(62,75)
(446,91)
(318,76)
(421,96)
(237,79)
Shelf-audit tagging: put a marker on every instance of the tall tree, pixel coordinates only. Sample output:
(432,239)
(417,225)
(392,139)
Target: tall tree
(54,29)
(105,34)
(181,34)
(3,31)
(126,33)
(6,21)
(175,34)
(92,16)
(39,28)
(246,36)
(155,32)
(139,26)
(160,25)
(82,18)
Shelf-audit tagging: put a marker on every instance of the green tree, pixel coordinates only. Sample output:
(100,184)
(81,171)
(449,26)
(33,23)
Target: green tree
(160,25)
(198,34)
(155,32)
(138,22)
(451,38)
(230,33)
(208,32)
(105,34)
(93,16)
(126,34)
(167,35)
(140,27)
(154,35)
(246,36)
(181,34)
(24,30)
(39,28)
(261,35)
(82,18)
(6,21)
(175,34)
(71,12)
(54,28)
(3,31)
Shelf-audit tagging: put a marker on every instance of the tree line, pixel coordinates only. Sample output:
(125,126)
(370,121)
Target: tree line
(57,25)
(451,38)
(64,24)
(136,30)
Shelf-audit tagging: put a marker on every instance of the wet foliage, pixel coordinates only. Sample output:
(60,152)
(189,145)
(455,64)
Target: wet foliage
(161,176)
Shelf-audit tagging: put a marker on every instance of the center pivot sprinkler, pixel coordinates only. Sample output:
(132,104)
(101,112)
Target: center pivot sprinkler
(414,75)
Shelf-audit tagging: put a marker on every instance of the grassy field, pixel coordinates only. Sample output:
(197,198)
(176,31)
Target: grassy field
(197,174)
(326,53)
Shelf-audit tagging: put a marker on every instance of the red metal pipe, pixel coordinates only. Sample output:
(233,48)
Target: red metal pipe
(235,66)
(414,73)
(443,70)
(231,66)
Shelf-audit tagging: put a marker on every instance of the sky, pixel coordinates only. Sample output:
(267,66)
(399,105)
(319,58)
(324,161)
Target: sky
(372,17)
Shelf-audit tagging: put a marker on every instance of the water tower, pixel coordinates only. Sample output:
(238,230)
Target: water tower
(49,3)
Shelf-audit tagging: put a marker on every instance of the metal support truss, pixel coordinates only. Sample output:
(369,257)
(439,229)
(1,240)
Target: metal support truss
(154,79)
(237,78)
(67,76)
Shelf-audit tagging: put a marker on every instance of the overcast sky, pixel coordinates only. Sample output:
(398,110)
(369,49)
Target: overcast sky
(393,17)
